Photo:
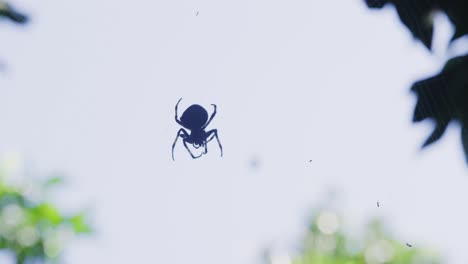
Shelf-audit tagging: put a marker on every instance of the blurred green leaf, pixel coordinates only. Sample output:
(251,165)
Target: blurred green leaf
(79,224)
(53,181)
(47,211)
(327,243)
(35,226)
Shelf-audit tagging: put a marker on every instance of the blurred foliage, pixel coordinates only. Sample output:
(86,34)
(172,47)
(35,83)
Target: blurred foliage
(327,243)
(9,12)
(418,16)
(443,97)
(32,228)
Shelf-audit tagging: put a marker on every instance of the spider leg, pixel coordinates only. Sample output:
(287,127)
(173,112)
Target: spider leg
(183,134)
(188,149)
(214,134)
(206,148)
(211,117)
(176,118)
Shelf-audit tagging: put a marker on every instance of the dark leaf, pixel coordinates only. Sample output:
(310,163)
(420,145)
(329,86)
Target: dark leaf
(457,11)
(376,3)
(417,16)
(9,12)
(443,98)
(464,136)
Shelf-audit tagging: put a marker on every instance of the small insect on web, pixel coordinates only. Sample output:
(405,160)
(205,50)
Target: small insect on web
(195,119)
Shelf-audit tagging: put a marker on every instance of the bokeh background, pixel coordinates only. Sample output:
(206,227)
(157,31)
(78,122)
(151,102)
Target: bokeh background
(89,90)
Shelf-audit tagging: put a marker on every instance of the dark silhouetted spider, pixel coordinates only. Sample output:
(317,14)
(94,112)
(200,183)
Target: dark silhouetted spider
(195,119)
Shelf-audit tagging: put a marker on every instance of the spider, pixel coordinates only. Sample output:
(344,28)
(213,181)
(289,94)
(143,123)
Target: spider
(195,119)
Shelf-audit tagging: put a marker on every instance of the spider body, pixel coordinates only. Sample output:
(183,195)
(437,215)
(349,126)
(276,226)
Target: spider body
(195,119)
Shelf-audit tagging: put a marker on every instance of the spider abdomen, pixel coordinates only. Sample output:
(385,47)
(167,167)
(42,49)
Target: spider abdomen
(194,117)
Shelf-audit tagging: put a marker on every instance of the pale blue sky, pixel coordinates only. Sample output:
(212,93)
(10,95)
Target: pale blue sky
(91,87)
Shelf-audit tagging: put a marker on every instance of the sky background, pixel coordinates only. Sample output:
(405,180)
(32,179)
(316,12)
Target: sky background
(89,91)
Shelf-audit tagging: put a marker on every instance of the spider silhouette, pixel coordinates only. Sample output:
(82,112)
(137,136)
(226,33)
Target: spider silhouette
(195,119)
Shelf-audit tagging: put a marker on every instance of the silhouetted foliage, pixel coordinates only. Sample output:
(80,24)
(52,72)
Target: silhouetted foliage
(443,97)
(417,15)
(7,11)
